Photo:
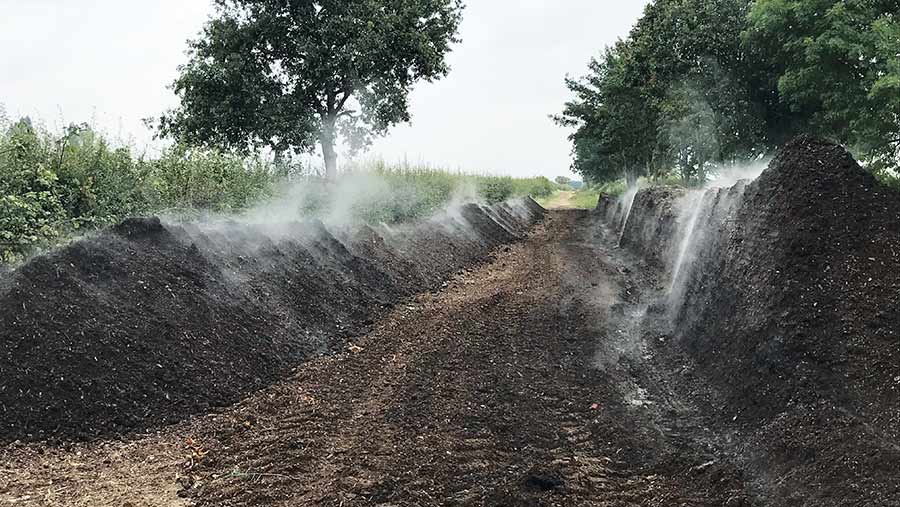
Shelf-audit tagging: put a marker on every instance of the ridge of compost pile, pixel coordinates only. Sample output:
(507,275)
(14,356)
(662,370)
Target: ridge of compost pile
(812,258)
(790,311)
(146,323)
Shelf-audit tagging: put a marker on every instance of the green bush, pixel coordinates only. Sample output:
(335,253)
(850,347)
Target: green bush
(495,189)
(28,221)
(611,188)
(535,187)
(53,186)
(400,193)
(185,178)
(585,198)
(889,179)
(95,183)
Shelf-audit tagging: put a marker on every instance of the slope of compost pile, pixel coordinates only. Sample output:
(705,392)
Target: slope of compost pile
(649,226)
(788,304)
(147,323)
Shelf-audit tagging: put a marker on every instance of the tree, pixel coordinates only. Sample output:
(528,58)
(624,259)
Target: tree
(835,66)
(562,180)
(614,126)
(287,74)
(677,93)
(687,129)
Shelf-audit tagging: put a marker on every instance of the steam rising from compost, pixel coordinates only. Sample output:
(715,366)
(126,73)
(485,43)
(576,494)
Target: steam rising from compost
(628,203)
(698,213)
(696,204)
(731,174)
(363,198)
(248,298)
(356,198)
(694,207)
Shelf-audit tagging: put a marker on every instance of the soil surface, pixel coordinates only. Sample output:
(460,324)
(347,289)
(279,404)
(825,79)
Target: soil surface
(551,374)
(522,382)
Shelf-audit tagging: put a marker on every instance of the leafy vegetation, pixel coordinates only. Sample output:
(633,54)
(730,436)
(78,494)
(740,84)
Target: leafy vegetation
(890,179)
(836,67)
(585,198)
(613,188)
(702,83)
(285,75)
(381,193)
(696,85)
(54,186)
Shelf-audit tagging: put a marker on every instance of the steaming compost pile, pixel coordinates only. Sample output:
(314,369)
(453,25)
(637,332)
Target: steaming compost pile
(785,295)
(147,323)
(809,363)
(729,346)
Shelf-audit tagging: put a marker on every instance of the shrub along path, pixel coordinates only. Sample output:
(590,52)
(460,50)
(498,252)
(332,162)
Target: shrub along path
(518,384)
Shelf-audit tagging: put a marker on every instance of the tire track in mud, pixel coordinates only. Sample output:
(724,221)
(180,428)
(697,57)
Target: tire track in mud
(487,393)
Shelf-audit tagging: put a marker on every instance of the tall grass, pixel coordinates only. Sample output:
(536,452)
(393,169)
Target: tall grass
(377,192)
(585,198)
(55,185)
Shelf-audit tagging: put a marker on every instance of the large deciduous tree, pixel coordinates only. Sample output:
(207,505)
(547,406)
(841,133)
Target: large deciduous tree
(677,93)
(611,118)
(287,74)
(836,66)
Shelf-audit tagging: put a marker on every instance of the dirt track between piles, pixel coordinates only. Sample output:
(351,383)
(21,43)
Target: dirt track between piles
(517,384)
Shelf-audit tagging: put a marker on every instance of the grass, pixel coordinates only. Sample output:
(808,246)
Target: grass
(588,196)
(547,199)
(585,199)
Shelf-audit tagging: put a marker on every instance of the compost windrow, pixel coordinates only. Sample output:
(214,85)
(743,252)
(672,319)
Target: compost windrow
(147,323)
(788,308)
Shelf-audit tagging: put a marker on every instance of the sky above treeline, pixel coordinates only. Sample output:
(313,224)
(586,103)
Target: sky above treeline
(109,63)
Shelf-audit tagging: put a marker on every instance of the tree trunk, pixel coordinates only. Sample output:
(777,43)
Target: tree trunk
(330,160)
(326,139)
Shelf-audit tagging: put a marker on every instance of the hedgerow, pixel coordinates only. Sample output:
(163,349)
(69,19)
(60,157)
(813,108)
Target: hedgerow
(55,186)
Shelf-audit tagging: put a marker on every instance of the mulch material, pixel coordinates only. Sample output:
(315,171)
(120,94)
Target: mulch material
(147,323)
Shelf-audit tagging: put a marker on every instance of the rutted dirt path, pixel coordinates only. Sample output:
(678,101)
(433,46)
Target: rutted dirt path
(520,383)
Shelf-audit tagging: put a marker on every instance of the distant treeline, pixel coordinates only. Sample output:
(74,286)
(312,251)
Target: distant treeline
(699,84)
(56,185)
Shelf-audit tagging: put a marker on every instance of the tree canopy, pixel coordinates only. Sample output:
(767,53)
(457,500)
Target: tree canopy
(701,83)
(287,74)
(836,66)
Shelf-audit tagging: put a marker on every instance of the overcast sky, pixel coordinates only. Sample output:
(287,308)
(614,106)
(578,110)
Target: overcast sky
(108,62)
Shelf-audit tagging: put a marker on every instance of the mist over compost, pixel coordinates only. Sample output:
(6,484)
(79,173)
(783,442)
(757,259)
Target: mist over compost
(783,290)
(696,210)
(149,322)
